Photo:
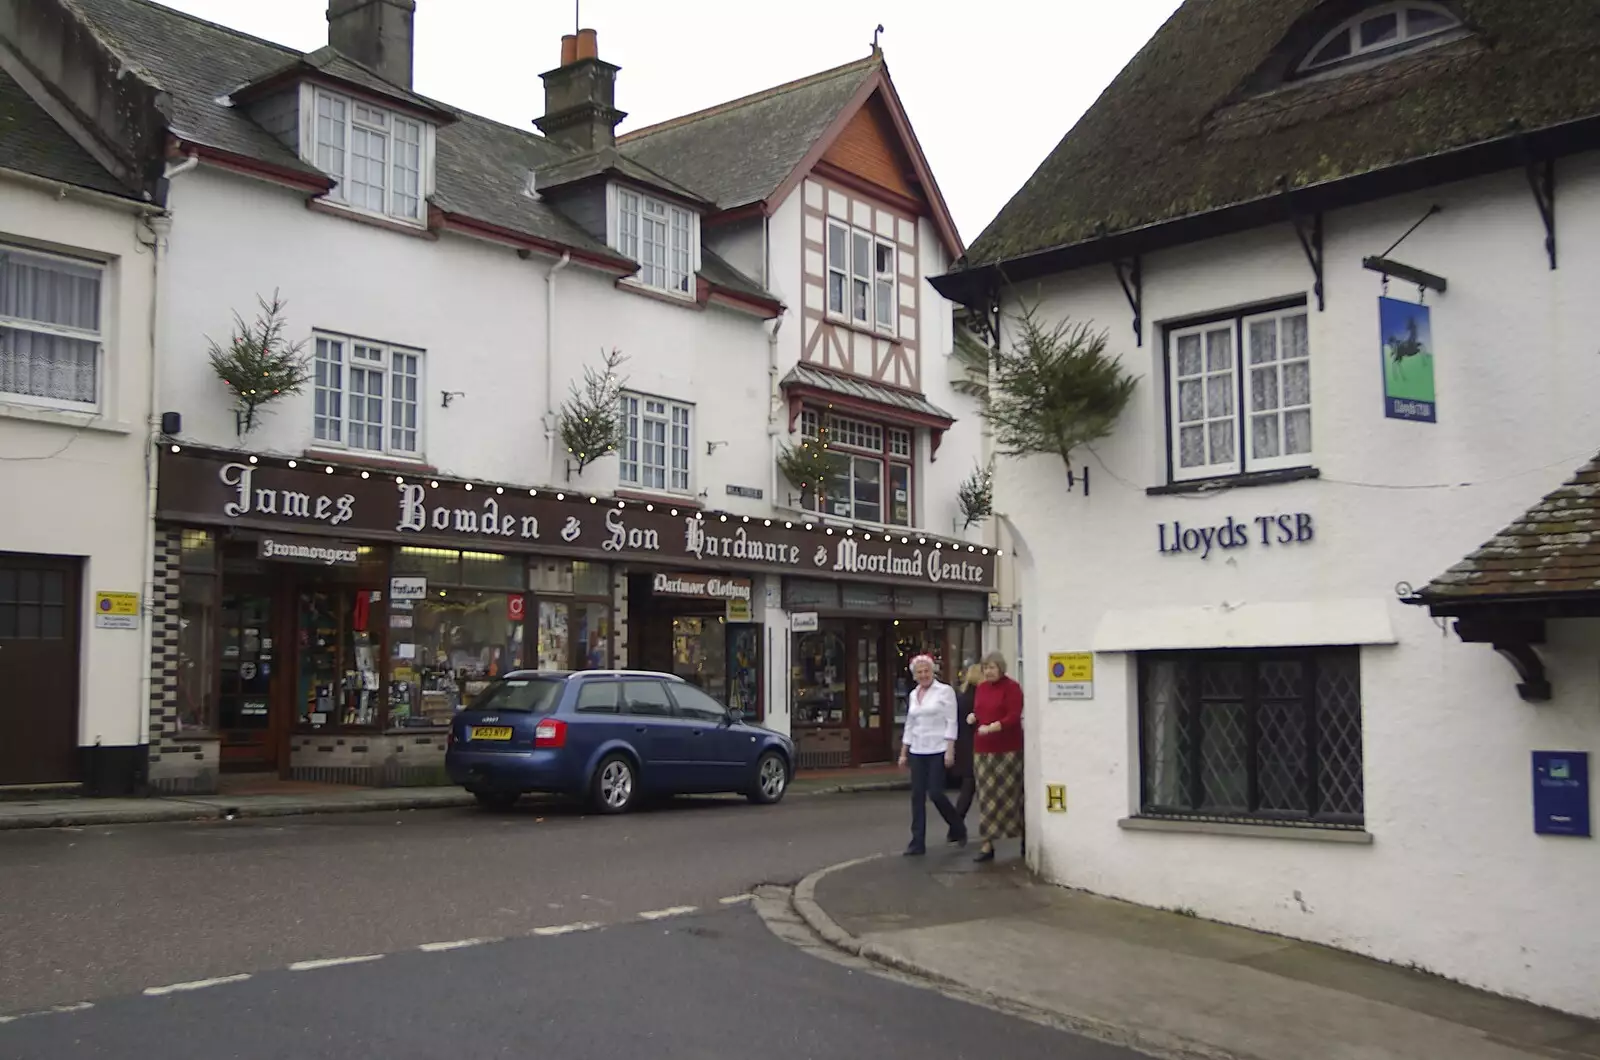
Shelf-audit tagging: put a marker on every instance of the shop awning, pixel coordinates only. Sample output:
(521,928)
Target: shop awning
(848,393)
(1544,565)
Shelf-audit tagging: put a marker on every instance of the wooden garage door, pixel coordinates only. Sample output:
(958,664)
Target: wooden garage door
(39,630)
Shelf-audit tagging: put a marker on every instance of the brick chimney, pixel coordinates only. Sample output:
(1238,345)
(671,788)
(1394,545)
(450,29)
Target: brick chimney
(376,34)
(580,96)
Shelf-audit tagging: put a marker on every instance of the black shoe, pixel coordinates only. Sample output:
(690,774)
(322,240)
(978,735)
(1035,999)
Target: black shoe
(913,852)
(957,839)
(986,855)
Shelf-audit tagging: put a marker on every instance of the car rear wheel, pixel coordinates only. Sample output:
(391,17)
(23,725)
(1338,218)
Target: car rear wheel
(772,779)
(616,785)
(497,800)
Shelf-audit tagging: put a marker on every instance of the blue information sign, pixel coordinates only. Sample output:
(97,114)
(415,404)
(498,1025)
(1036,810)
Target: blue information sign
(1561,793)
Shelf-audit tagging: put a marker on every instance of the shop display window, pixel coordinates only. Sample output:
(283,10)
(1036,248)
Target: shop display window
(198,624)
(818,676)
(574,614)
(339,683)
(700,653)
(452,645)
(744,669)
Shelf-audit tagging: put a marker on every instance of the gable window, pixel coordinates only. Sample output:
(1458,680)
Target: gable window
(861,277)
(1240,395)
(366,396)
(873,481)
(655,443)
(1271,736)
(1379,31)
(50,337)
(375,155)
(660,237)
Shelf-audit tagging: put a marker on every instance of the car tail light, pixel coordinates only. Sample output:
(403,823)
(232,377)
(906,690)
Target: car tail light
(552,732)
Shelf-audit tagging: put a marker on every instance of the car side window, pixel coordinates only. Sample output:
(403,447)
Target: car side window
(597,697)
(647,698)
(696,705)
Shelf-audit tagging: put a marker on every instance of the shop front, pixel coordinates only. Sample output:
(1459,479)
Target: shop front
(702,627)
(326,622)
(850,658)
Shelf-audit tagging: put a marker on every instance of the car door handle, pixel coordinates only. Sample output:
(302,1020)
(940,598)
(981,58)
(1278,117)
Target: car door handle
(642,728)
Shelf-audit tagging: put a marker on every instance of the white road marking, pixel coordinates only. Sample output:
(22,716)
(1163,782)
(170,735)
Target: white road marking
(458,944)
(332,962)
(735,899)
(76,1006)
(662,914)
(198,984)
(566,929)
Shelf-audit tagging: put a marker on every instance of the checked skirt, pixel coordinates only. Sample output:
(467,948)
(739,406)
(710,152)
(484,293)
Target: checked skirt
(999,794)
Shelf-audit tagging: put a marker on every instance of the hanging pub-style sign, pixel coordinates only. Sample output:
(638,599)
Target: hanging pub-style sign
(1406,335)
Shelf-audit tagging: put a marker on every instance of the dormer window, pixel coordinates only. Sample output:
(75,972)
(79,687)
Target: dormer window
(379,157)
(660,236)
(1379,32)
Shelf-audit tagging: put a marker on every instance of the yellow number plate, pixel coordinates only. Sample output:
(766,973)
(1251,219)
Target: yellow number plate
(482,732)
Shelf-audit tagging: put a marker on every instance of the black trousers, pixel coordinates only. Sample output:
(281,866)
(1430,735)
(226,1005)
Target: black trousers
(969,789)
(927,782)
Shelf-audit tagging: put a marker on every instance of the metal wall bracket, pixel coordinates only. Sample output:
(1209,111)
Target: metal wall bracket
(1514,641)
(1387,268)
(1074,479)
(1310,232)
(1542,179)
(1130,273)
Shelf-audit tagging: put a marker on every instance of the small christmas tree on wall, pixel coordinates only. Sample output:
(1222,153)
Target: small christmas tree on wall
(257,365)
(810,465)
(591,423)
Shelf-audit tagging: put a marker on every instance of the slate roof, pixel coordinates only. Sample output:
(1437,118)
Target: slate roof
(336,64)
(32,142)
(1200,119)
(1553,548)
(740,152)
(852,386)
(483,167)
(610,160)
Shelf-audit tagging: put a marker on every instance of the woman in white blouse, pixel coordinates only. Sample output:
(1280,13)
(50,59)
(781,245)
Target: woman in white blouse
(930,747)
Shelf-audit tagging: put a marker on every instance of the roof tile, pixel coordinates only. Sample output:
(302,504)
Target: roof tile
(1553,547)
(32,142)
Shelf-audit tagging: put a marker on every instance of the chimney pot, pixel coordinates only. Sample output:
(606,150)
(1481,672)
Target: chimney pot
(569,49)
(588,44)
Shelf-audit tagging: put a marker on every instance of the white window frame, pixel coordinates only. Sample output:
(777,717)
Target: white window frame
(339,409)
(1404,40)
(649,421)
(863,285)
(329,143)
(852,438)
(1228,397)
(30,326)
(1271,373)
(663,237)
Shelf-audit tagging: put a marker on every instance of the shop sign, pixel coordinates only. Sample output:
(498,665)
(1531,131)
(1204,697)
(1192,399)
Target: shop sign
(702,586)
(515,607)
(1561,793)
(1055,798)
(739,611)
(1072,675)
(116,610)
(803,622)
(408,588)
(308,550)
(206,488)
(1295,528)
(1000,616)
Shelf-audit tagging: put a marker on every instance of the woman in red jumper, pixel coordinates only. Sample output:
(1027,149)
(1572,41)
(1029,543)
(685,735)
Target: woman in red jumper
(997,754)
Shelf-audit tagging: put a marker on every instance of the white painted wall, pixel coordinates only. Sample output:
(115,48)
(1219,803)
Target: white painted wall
(76,484)
(1455,879)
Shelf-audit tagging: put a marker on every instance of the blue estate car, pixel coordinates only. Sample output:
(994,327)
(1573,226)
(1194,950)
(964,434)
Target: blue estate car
(610,735)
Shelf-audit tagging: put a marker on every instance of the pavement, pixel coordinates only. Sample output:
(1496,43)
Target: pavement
(275,800)
(1164,983)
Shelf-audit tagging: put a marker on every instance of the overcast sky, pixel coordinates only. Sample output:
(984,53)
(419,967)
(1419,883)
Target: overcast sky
(990,87)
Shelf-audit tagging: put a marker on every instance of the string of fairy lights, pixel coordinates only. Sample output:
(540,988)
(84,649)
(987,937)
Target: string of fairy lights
(903,537)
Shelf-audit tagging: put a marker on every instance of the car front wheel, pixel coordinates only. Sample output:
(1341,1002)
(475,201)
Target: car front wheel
(616,785)
(772,779)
